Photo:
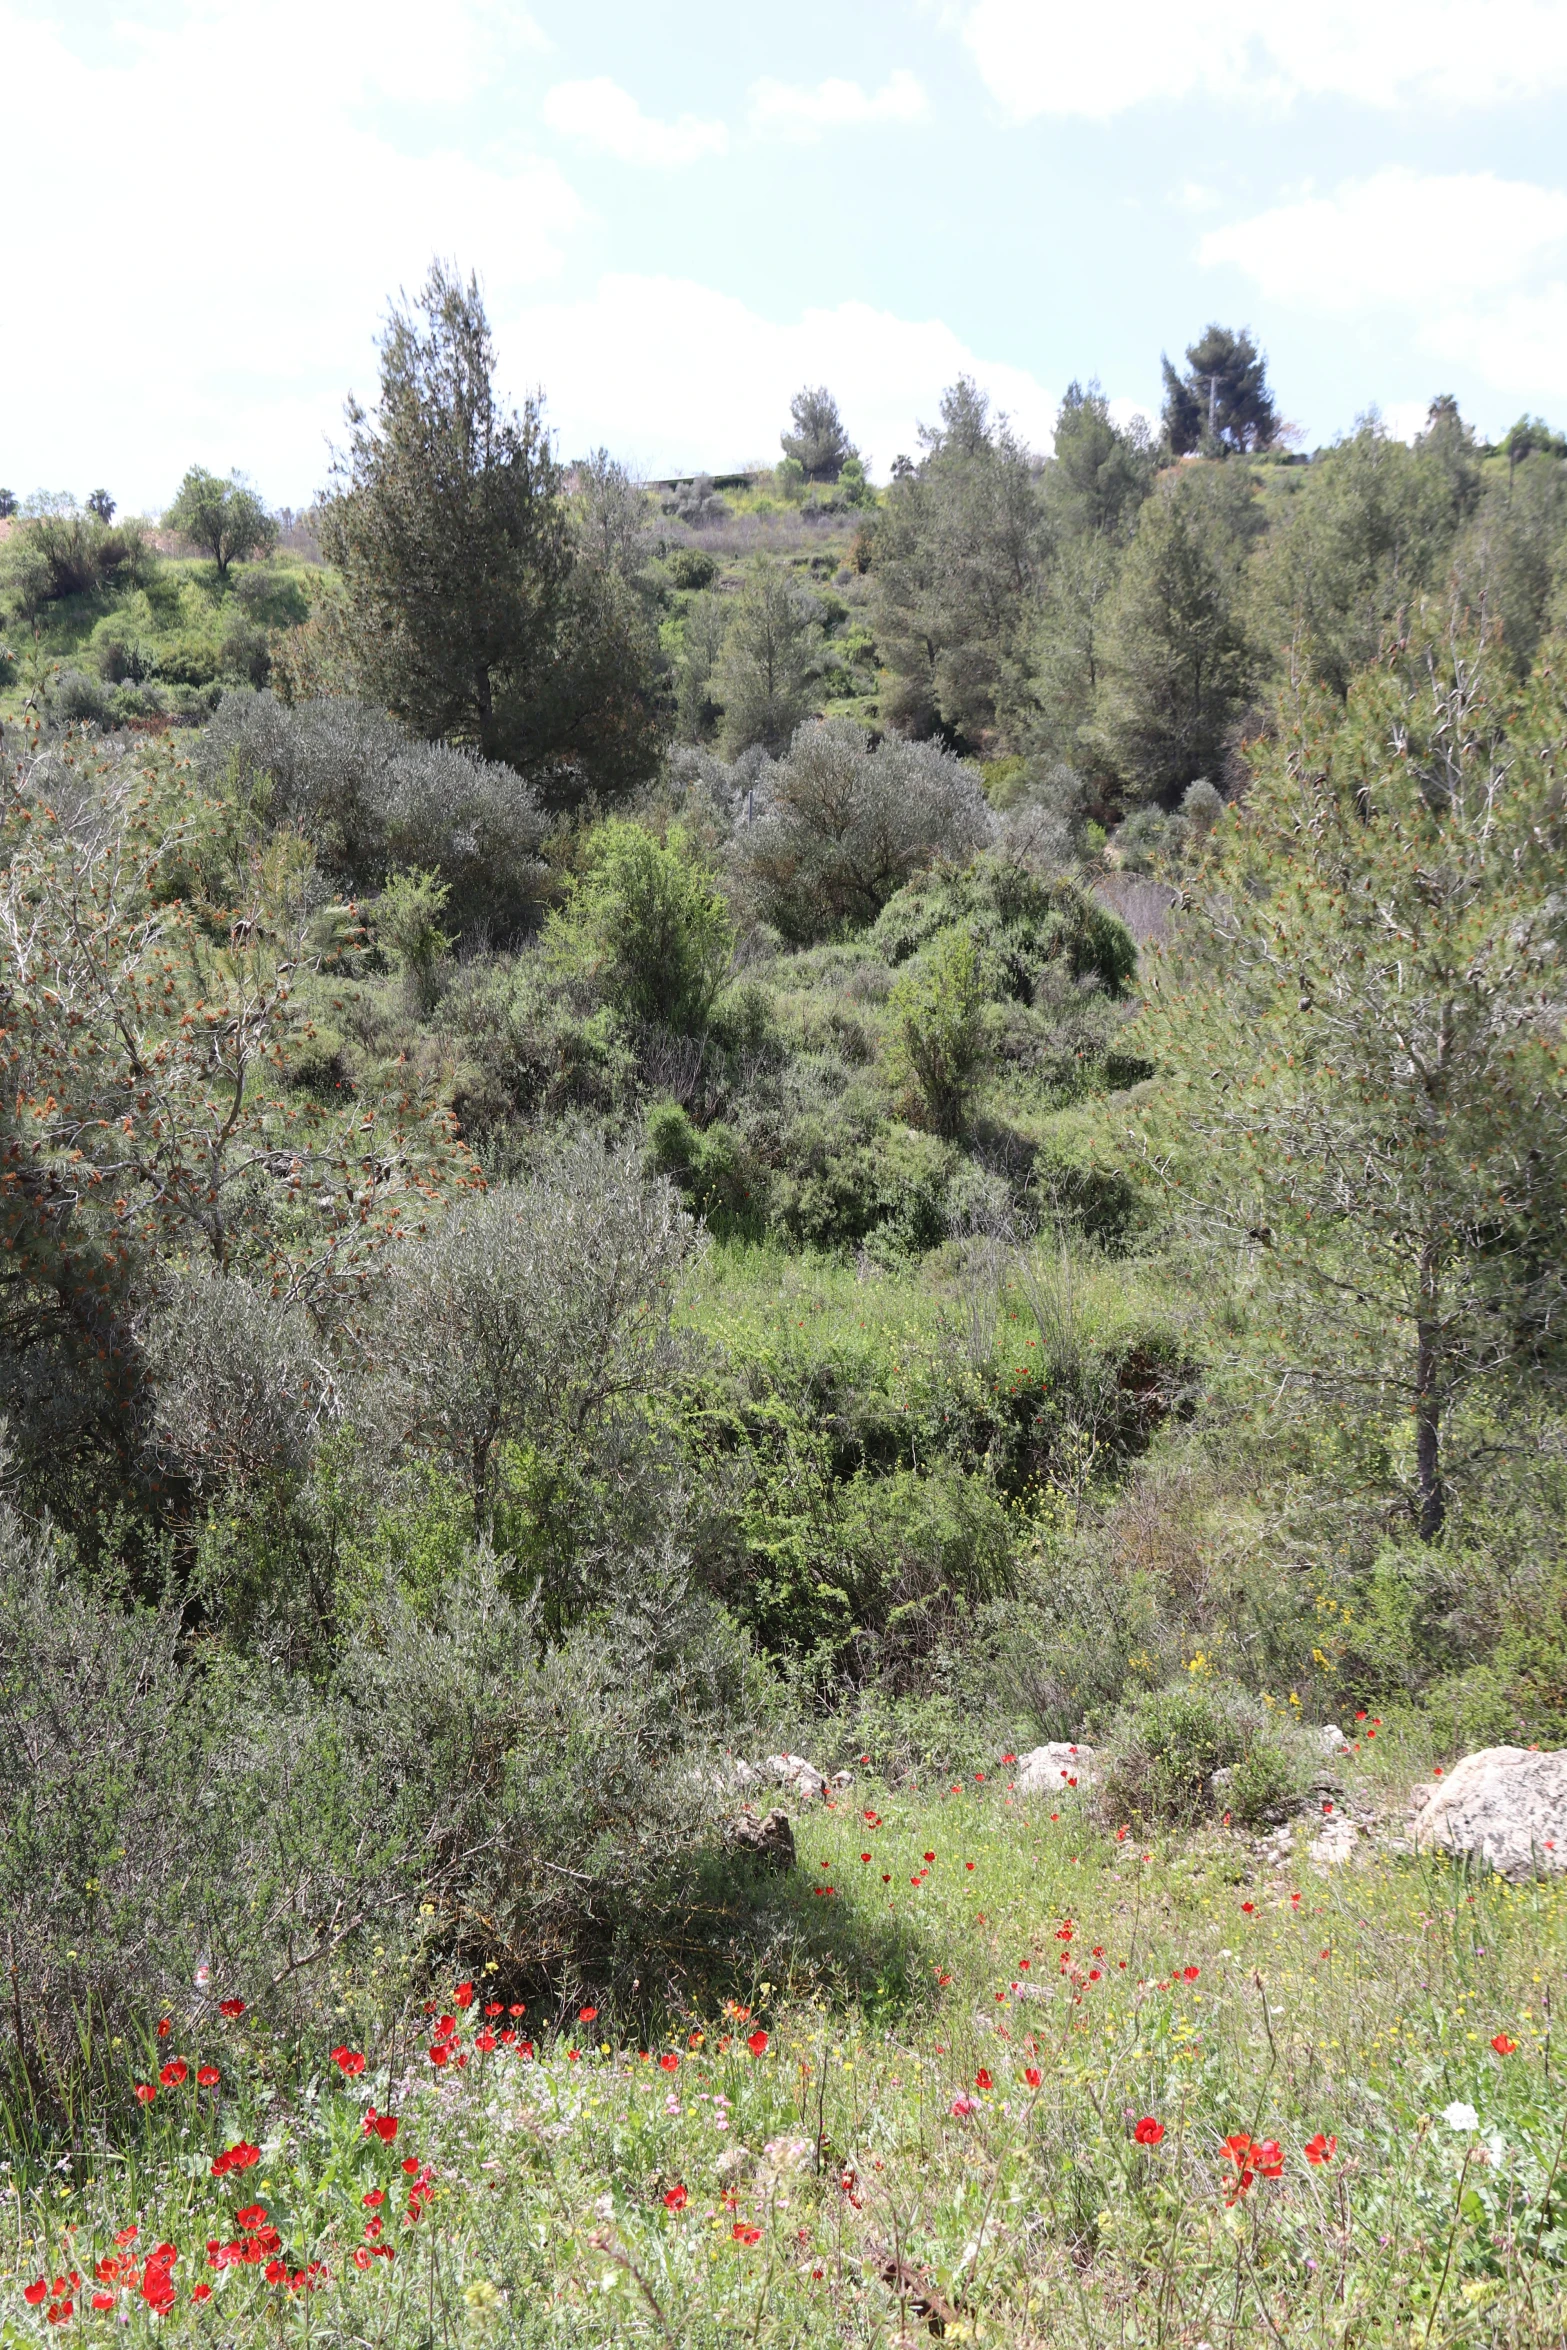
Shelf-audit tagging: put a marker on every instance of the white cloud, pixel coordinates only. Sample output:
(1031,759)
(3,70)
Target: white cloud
(605,118)
(1051,57)
(713,379)
(226,332)
(1474,267)
(802,113)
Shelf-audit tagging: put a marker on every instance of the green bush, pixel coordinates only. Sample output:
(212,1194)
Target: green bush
(644,927)
(1164,1750)
(689,568)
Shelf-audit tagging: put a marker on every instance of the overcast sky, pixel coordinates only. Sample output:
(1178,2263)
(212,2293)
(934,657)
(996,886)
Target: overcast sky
(682,212)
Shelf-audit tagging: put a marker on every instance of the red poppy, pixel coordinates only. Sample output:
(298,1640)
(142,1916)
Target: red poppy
(349,2062)
(1189,1974)
(33,2294)
(1502,2044)
(1148,2132)
(464,1994)
(676,2197)
(1032,2075)
(669,2061)
(208,2077)
(745,2235)
(484,2041)
(1248,1908)
(587,2015)
(865,1856)
(103,2301)
(525,2051)
(165,2026)
(1319,2148)
(231,2007)
(145,2092)
(174,2072)
(930,1856)
(573,2056)
(518,2007)
(239,2156)
(968,1864)
(1270,2158)
(440,2052)
(495,2007)
(758,2043)
(201,2292)
(383,2125)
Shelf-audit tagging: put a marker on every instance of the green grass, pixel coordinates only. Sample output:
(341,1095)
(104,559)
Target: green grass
(908,2127)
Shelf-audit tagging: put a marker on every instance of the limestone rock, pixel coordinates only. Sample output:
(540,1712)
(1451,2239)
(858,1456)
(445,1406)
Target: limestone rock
(1504,1805)
(792,1770)
(769,1840)
(1054,1769)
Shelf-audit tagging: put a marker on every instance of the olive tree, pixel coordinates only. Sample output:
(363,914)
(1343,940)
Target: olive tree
(226,519)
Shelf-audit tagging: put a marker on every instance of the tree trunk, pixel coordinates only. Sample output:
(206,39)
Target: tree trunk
(1428,1406)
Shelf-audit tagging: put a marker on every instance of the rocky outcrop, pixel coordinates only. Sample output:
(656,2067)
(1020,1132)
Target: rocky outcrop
(1505,1806)
(769,1841)
(1056,1768)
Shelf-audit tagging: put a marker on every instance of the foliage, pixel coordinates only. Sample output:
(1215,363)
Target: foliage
(818,444)
(843,826)
(1223,401)
(940,1030)
(644,927)
(225,519)
(1373,1082)
(1195,1749)
(762,673)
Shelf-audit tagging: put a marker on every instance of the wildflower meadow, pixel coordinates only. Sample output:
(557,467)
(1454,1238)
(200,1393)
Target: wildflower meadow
(1110,2089)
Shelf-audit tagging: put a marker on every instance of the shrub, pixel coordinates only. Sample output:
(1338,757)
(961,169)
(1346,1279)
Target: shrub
(408,925)
(644,925)
(843,827)
(689,568)
(370,800)
(941,1035)
(81,701)
(1025,922)
(1165,1749)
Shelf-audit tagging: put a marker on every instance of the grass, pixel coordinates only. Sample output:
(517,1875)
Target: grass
(958,2145)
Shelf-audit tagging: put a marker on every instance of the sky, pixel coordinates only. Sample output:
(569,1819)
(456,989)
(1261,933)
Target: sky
(682,213)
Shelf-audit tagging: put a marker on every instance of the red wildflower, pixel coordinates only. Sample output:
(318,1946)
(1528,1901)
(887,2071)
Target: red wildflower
(525,2051)
(410,2163)
(1269,2158)
(1032,2075)
(982,2079)
(165,2026)
(1502,2044)
(676,2197)
(1189,1974)
(968,1864)
(383,2125)
(440,2052)
(33,2294)
(174,2072)
(865,1856)
(464,1994)
(201,2292)
(208,2077)
(518,2007)
(363,2255)
(254,2215)
(103,2301)
(231,2007)
(573,2056)
(1148,2131)
(758,2043)
(349,2062)
(669,2061)
(237,2157)
(484,2041)
(1319,2148)
(1248,1908)
(125,2236)
(374,2200)
(745,2235)
(587,2015)
(145,2092)
(930,1856)
(495,2007)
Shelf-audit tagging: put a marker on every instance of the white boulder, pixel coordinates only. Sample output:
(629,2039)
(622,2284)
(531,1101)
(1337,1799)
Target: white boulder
(792,1770)
(1054,1769)
(1504,1805)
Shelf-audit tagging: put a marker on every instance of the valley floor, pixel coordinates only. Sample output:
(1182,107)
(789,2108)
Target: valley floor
(1054,2083)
